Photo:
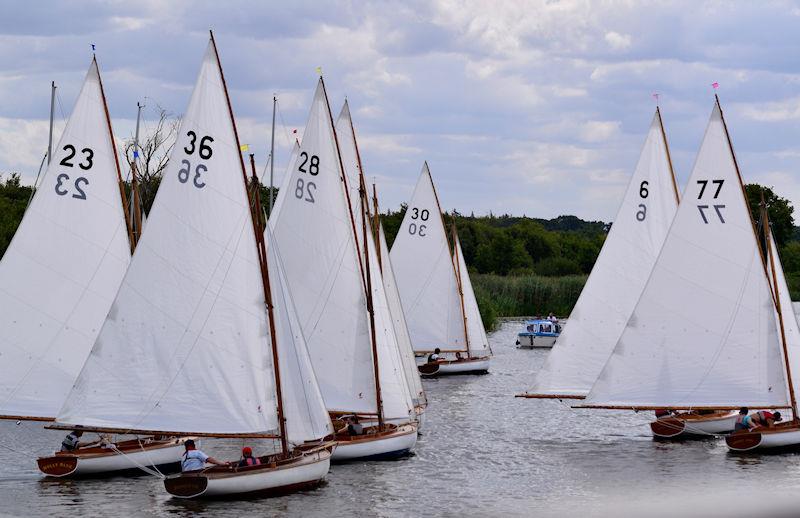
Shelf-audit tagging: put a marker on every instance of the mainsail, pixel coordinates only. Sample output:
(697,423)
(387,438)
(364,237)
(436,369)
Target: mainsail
(704,331)
(61,271)
(790,325)
(618,276)
(426,279)
(186,347)
(476,334)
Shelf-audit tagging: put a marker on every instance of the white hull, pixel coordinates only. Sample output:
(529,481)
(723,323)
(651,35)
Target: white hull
(110,461)
(396,444)
(473,365)
(699,427)
(307,471)
(535,342)
(788,438)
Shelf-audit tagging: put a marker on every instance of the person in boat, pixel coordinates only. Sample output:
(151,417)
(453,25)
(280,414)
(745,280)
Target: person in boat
(663,412)
(248,459)
(194,459)
(434,356)
(552,318)
(72,441)
(353,427)
(764,418)
(742,420)
(458,356)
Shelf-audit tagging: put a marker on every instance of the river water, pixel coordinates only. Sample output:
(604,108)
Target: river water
(482,453)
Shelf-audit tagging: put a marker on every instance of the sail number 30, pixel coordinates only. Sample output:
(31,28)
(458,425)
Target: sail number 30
(416,228)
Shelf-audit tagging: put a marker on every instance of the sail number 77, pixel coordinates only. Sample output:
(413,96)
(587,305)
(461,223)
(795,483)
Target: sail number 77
(716,207)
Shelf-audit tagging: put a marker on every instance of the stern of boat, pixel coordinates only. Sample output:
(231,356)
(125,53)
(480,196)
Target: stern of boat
(58,465)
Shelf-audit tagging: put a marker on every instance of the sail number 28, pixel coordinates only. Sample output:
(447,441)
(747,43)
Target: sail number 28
(304,190)
(80,182)
(204,151)
(415,228)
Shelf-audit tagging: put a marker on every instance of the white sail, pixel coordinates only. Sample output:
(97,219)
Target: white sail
(704,331)
(303,407)
(478,342)
(186,345)
(618,276)
(314,235)
(349,153)
(790,325)
(399,319)
(395,391)
(283,190)
(423,267)
(61,271)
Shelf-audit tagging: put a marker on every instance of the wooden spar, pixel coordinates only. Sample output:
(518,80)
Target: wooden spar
(135,194)
(27,418)
(272,156)
(52,115)
(376,225)
(135,431)
(126,210)
(669,157)
(767,239)
(262,255)
(650,407)
(457,265)
(549,396)
(362,191)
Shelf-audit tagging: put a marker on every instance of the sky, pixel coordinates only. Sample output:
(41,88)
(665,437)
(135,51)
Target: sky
(534,107)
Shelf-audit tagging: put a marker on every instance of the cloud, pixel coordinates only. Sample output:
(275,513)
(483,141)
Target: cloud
(618,41)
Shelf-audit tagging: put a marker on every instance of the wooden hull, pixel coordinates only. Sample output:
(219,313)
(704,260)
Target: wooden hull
(693,425)
(447,367)
(535,342)
(165,455)
(783,437)
(303,472)
(394,443)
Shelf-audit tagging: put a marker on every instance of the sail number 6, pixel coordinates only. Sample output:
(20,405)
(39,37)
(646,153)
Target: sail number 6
(644,192)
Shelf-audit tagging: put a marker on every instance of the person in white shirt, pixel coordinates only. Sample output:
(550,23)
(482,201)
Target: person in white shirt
(194,459)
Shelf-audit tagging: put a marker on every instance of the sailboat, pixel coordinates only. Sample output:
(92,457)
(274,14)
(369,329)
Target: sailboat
(438,300)
(66,261)
(202,338)
(618,276)
(418,396)
(706,334)
(331,265)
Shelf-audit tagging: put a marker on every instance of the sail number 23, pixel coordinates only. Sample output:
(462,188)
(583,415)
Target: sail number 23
(416,228)
(304,190)
(204,151)
(86,163)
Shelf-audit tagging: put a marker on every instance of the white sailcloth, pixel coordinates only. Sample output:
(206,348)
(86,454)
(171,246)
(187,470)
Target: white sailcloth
(618,275)
(399,319)
(283,190)
(423,267)
(304,409)
(314,235)
(349,152)
(186,345)
(61,271)
(704,330)
(478,342)
(790,325)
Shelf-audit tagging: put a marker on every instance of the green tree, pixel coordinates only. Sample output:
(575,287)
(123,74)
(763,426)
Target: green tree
(779,209)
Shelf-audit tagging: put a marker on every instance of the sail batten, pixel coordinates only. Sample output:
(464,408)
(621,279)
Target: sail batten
(704,332)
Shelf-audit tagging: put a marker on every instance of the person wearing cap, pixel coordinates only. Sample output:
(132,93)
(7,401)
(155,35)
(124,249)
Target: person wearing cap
(434,356)
(248,459)
(72,441)
(194,459)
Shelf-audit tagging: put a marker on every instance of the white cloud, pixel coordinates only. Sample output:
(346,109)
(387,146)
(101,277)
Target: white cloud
(599,131)
(618,41)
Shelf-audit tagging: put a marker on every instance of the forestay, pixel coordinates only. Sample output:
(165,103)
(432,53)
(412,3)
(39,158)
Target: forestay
(478,343)
(186,345)
(314,235)
(618,276)
(423,267)
(704,331)
(399,320)
(61,271)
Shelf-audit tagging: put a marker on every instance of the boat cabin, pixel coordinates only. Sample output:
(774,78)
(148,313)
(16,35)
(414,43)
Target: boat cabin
(538,333)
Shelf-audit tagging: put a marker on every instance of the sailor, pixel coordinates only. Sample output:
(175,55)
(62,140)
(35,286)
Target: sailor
(458,356)
(552,317)
(194,459)
(353,427)
(434,356)
(742,420)
(72,441)
(764,418)
(248,459)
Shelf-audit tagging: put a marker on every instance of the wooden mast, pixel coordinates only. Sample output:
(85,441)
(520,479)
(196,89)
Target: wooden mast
(767,240)
(262,256)
(669,157)
(457,266)
(376,227)
(126,210)
(362,191)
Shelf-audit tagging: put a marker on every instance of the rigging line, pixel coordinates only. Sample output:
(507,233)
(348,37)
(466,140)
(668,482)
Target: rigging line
(149,471)
(61,107)
(283,122)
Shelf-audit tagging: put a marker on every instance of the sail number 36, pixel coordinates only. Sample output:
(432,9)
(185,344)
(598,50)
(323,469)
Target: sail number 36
(416,228)
(204,152)
(86,163)
(304,189)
